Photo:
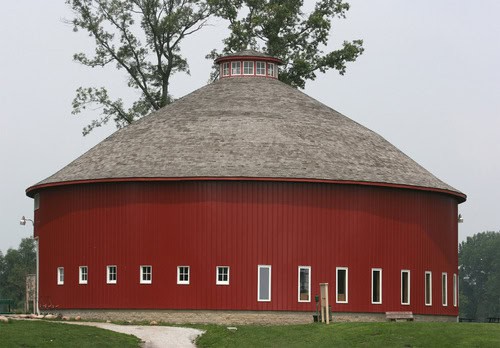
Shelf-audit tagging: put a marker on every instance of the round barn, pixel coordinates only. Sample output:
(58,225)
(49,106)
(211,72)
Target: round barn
(235,202)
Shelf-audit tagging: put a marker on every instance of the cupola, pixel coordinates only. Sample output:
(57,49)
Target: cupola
(248,63)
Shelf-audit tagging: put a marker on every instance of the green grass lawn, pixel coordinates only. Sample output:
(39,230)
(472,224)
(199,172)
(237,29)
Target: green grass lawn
(354,335)
(24,333)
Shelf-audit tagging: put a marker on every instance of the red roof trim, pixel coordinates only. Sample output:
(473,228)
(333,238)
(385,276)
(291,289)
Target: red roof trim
(259,58)
(30,191)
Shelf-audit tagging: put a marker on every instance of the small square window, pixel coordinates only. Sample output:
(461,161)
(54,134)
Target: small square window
(146,274)
(60,275)
(235,68)
(248,68)
(261,68)
(83,275)
(222,275)
(183,275)
(111,274)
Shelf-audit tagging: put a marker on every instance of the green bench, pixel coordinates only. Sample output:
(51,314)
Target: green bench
(6,306)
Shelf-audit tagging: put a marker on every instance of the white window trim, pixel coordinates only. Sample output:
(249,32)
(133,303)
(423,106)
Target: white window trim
(183,282)
(142,280)
(228,64)
(59,271)
(258,282)
(108,273)
(430,288)
(346,269)
(236,62)
(253,67)
(444,290)
(80,275)
(269,65)
(455,292)
(371,287)
(265,68)
(308,285)
(409,287)
(222,282)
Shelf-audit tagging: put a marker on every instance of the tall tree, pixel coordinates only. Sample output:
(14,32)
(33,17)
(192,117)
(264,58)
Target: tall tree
(142,37)
(479,263)
(281,29)
(15,266)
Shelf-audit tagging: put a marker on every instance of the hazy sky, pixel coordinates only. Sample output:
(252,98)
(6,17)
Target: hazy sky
(429,82)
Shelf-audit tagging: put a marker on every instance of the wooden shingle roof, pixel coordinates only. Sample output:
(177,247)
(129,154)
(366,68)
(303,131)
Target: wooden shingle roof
(248,128)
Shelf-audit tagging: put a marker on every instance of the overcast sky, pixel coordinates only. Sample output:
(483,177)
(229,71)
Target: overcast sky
(429,82)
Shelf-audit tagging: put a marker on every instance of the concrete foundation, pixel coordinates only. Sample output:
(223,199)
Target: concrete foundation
(232,317)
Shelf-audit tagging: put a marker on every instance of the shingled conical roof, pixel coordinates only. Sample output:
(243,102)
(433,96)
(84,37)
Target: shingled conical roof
(248,128)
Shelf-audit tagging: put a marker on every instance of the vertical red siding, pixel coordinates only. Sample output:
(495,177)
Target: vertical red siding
(206,224)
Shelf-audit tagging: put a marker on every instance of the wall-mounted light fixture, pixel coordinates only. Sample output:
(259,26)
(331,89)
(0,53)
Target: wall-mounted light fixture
(460,218)
(23,220)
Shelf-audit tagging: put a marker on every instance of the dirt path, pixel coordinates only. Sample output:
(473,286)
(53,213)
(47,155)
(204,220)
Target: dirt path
(153,336)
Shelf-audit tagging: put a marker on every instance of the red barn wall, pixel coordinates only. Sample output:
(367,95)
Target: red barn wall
(204,224)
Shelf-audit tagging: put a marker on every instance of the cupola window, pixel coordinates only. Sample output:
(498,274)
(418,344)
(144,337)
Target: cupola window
(235,68)
(261,68)
(247,68)
(225,69)
(270,69)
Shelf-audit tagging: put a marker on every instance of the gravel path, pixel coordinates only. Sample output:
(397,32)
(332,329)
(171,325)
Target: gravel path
(153,336)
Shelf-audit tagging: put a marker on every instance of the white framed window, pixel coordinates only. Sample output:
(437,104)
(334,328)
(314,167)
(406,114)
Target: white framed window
(260,68)
(222,275)
(111,274)
(183,275)
(83,275)
(236,68)
(270,69)
(248,68)
(146,274)
(225,69)
(36,200)
(428,288)
(405,287)
(304,288)
(264,283)
(376,286)
(455,290)
(342,285)
(60,275)
(444,289)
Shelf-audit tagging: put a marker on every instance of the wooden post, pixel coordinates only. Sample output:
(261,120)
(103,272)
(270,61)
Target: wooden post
(324,303)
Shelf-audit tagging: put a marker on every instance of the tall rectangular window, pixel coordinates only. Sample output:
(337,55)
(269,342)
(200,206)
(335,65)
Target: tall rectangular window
(146,274)
(261,68)
(270,69)
(455,292)
(405,287)
(304,284)
(247,68)
(225,69)
(222,273)
(444,288)
(60,275)
(36,200)
(183,275)
(376,285)
(111,274)
(428,288)
(342,285)
(235,68)
(264,283)
(83,275)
